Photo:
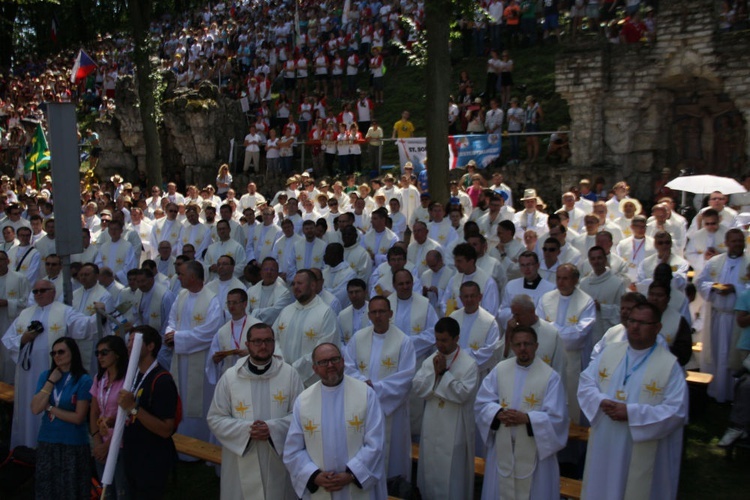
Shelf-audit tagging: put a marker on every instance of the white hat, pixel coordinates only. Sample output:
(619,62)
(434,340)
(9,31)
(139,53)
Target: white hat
(638,206)
(529,194)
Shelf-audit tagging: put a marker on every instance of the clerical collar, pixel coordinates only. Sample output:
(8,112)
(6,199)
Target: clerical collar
(531,285)
(256,369)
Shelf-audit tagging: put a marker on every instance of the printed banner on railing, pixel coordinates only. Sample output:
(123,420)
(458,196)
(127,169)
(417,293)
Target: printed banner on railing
(483,149)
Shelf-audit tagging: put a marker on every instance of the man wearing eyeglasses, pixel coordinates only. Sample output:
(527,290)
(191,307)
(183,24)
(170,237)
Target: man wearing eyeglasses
(167,229)
(716,201)
(635,396)
(720,283)
(251,412)
(30,350)
(53,268)
(351,459)
(659,221)
(383,357)
(707,242)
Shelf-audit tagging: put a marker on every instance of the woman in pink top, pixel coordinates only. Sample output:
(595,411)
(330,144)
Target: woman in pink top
(112,354)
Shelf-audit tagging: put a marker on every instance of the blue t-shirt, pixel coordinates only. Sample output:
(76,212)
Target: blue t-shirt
(743,304)
(70,392)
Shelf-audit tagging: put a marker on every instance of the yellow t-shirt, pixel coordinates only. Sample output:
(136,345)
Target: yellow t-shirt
(404,129)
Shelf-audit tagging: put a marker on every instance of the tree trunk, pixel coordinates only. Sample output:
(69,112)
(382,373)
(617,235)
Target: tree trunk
(437,22)
(8,11)
(146,77)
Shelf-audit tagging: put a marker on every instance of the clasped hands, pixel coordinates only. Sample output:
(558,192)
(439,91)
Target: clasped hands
(615,410)
(512,417)
(333,481)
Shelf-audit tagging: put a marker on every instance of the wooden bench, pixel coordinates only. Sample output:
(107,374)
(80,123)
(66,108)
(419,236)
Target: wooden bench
(569,488)
(698,390)
(578,432)
(196,448)
(7,392)
(698,378)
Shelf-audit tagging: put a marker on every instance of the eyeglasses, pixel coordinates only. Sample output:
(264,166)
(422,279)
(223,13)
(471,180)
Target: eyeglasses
(330,361)
(260,342)
(102,352)
(710,223)
(549,249)
(37,291)
(637,322)
(52,264)
(58,352)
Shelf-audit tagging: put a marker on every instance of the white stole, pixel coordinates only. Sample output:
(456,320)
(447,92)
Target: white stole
(417,313)
(516,451)
(389,355)
(242,393)
(355,415)
(657,370)
(196,361)
(479,329)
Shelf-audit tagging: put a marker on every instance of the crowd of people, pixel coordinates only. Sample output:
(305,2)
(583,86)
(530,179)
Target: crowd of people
(331,67)
(378,315)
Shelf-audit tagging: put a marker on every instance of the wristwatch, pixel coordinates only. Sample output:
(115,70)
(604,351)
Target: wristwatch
(134,411)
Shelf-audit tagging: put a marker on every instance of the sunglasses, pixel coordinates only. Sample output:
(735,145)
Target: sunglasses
(549,249)
(58,352)
(37,291)
(102,352)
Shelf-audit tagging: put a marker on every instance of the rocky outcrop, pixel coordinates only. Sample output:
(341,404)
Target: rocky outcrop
(197,127)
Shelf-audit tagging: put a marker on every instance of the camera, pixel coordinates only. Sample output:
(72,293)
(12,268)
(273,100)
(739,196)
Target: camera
(36,327)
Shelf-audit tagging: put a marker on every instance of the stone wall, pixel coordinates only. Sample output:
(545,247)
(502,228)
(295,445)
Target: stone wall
(195,135)
(621,97)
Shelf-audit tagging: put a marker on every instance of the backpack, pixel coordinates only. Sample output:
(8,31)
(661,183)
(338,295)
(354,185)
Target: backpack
(178,412)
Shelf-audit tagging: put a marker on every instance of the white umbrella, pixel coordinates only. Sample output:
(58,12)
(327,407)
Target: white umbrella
(702,184)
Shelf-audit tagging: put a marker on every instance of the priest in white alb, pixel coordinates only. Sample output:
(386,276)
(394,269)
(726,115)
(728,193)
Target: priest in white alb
(447,381)
(250,416)
(304,324)
(573,312)
(195,317)
(14,290)
(270,295)
(522,418)
(606,288)
(349,462)
(480,335)
(720,283)
(382,356)
(635,396)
